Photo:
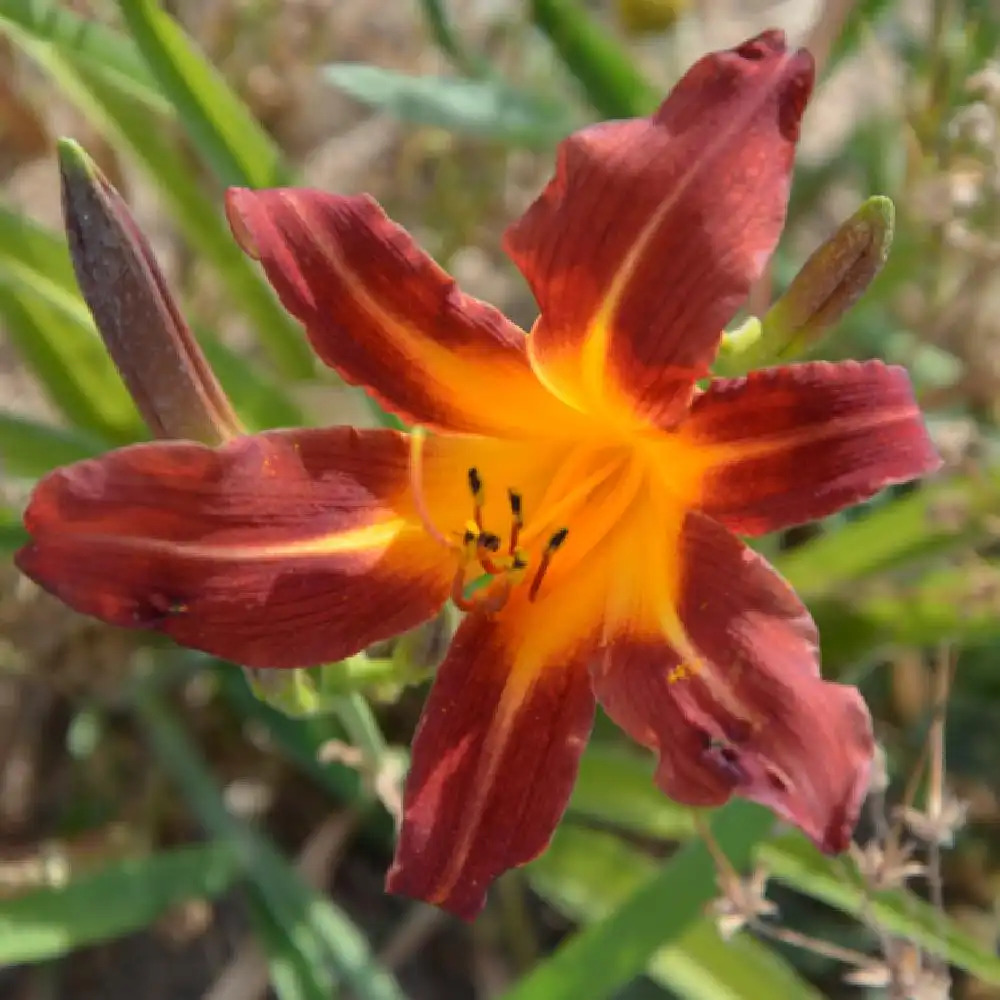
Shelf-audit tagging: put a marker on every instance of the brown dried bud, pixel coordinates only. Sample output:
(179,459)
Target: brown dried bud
(155,352)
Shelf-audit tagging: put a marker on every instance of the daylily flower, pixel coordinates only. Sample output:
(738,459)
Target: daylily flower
(575,491)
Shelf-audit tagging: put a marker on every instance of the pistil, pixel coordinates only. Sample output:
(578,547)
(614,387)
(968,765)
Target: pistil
(548,552)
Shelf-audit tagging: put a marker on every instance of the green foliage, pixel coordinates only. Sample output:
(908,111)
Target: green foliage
(605,71)
(12,533)
(609,952)
(51,329)
(860,25)
(49,922)
(29,448)
(632,806)
(587,874)
(129,114)
(488,108)
(447,39)
(318,940)
(793,860)
(938,520)
(236,148)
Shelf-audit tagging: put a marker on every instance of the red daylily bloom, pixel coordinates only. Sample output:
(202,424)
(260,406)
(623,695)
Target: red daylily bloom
(611,568)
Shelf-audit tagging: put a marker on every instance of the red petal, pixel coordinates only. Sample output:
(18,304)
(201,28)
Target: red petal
(494,758)
(280,550)
(385,316)
(647,241)
(787,445)
(732,700)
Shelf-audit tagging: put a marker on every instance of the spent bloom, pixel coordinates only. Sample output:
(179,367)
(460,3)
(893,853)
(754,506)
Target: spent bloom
(573,489)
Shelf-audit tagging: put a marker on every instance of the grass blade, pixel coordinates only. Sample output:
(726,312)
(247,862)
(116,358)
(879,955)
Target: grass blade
(91,43)
(69,363)
(586,873)
(12,533)
(223,130)
(325,936)
(53,332)
(261,400)
(794,861)
(40,249)
(446,37)
(860,25)
(30,449)
(488,108)
(125,119)
(938,518)
(66,353)
(790,859)
(299,739)
(604,956)
(50,922)
(613,85)
(291,976)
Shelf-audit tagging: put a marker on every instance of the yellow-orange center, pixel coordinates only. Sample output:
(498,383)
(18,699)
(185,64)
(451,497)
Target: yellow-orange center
(574,495)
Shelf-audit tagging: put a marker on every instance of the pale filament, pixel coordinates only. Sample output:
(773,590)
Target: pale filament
(417,436)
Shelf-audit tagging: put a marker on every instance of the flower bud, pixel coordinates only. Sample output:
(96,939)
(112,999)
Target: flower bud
(829,283)
(156,354)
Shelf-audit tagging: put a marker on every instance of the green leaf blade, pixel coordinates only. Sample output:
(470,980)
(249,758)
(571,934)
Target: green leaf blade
(51,922)
(123,116)
(29,448)
(604,956)
(323,934)
(793,860)
(70,364)
(222,128)
(613,85)
(486,108)
(586,873)
(38,27)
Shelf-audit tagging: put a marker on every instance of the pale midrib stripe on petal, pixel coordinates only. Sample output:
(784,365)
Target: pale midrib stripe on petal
(594,348)
(369,538)
(848,426)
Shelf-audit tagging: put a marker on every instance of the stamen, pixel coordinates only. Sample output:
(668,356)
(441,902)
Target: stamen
(518,566)
(557,539)
(553,545)
(461,602)
(474,544)
(417,435)
(517,520)
(470,543)
(478,496)
(475,485)
(489,541)
(487,545)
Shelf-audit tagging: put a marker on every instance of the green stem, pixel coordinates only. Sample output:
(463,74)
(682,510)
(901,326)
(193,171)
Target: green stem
(356,716)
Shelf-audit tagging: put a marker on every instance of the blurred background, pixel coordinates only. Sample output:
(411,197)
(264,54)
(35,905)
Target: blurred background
(172,827)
